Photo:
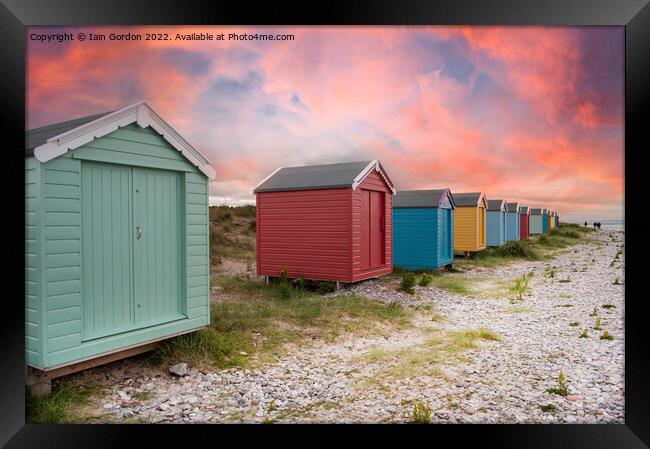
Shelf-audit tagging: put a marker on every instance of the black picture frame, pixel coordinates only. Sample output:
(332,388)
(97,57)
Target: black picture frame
(634,15)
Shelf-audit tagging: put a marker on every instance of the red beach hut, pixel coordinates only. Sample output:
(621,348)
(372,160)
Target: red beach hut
(524,223)
(325,222)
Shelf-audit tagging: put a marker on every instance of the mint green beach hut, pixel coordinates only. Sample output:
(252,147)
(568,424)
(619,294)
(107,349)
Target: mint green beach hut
(116,238)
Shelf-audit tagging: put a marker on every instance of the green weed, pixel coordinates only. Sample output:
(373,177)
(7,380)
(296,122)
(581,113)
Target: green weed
(562,386)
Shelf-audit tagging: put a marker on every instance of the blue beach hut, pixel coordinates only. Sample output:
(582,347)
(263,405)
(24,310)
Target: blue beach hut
(544,220)
(423,229)
(512,221)
(496,223)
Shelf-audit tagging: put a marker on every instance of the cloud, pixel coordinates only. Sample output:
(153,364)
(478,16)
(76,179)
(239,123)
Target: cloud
(533,114)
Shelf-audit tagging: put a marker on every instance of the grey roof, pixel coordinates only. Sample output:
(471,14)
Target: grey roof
(422,198)
(38,136)
(524,210)
(467,199)
(536,212)
(512,207)
(544,211)
(327,176)
(496,205)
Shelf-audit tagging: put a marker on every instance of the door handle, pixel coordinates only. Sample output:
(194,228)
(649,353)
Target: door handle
(138,232)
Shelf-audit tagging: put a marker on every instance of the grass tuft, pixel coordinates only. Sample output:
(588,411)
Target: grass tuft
(562,387)
(421,413)
(57,407)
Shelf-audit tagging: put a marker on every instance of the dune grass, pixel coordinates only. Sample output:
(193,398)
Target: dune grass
(232,233)
(537,247)
(253,318)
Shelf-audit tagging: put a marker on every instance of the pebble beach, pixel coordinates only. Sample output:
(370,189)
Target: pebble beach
(572,301)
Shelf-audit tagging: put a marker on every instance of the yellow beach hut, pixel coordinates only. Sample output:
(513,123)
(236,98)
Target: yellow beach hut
(469,222)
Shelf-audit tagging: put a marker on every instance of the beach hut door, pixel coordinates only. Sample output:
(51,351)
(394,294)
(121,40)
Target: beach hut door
(373,232)
(446,234)
(131,248)
(157,249)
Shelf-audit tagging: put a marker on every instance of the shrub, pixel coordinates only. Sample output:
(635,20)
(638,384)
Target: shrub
(252,226)
(408,283)
(574,324)
(617,281)
(425,279)
(584,334)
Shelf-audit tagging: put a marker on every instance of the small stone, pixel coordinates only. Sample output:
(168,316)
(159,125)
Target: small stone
(124,395)
(180,369)
(442,414)
(243,353)
(572,397)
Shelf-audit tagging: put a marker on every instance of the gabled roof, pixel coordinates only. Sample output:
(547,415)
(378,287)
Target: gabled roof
(544,211)
(471,199)
(49,142)
(512,207)
(38,136)
(326,176)
(536,211)
(496,205)
(422,198)
(524,210)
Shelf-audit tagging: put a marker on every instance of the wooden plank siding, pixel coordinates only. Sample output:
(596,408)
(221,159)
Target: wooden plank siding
(467,229)
(306,232)
(62,268)
(524,226)
(33,263)
(535,225)
(317,233)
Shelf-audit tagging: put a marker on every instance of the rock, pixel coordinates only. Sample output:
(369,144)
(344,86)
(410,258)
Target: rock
(442,414)
(243,353)
(124,395)
(572,398)
(180,369)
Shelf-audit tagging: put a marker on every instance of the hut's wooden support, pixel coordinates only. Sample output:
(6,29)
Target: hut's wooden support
(40,381)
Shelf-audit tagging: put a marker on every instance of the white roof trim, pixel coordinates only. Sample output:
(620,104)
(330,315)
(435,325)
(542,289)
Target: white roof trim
(374,164)
(140,113)
(266,179)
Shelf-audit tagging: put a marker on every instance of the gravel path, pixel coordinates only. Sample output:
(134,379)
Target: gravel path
(494,382)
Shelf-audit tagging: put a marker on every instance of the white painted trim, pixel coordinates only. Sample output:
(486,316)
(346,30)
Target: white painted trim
(374,164)
(140,113)
(266,179)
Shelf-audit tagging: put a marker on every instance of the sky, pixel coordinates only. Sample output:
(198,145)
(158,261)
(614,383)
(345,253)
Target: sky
(528,114)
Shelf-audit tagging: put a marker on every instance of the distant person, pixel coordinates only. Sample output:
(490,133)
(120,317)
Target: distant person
(599,225)
(594,225)
(585,223)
